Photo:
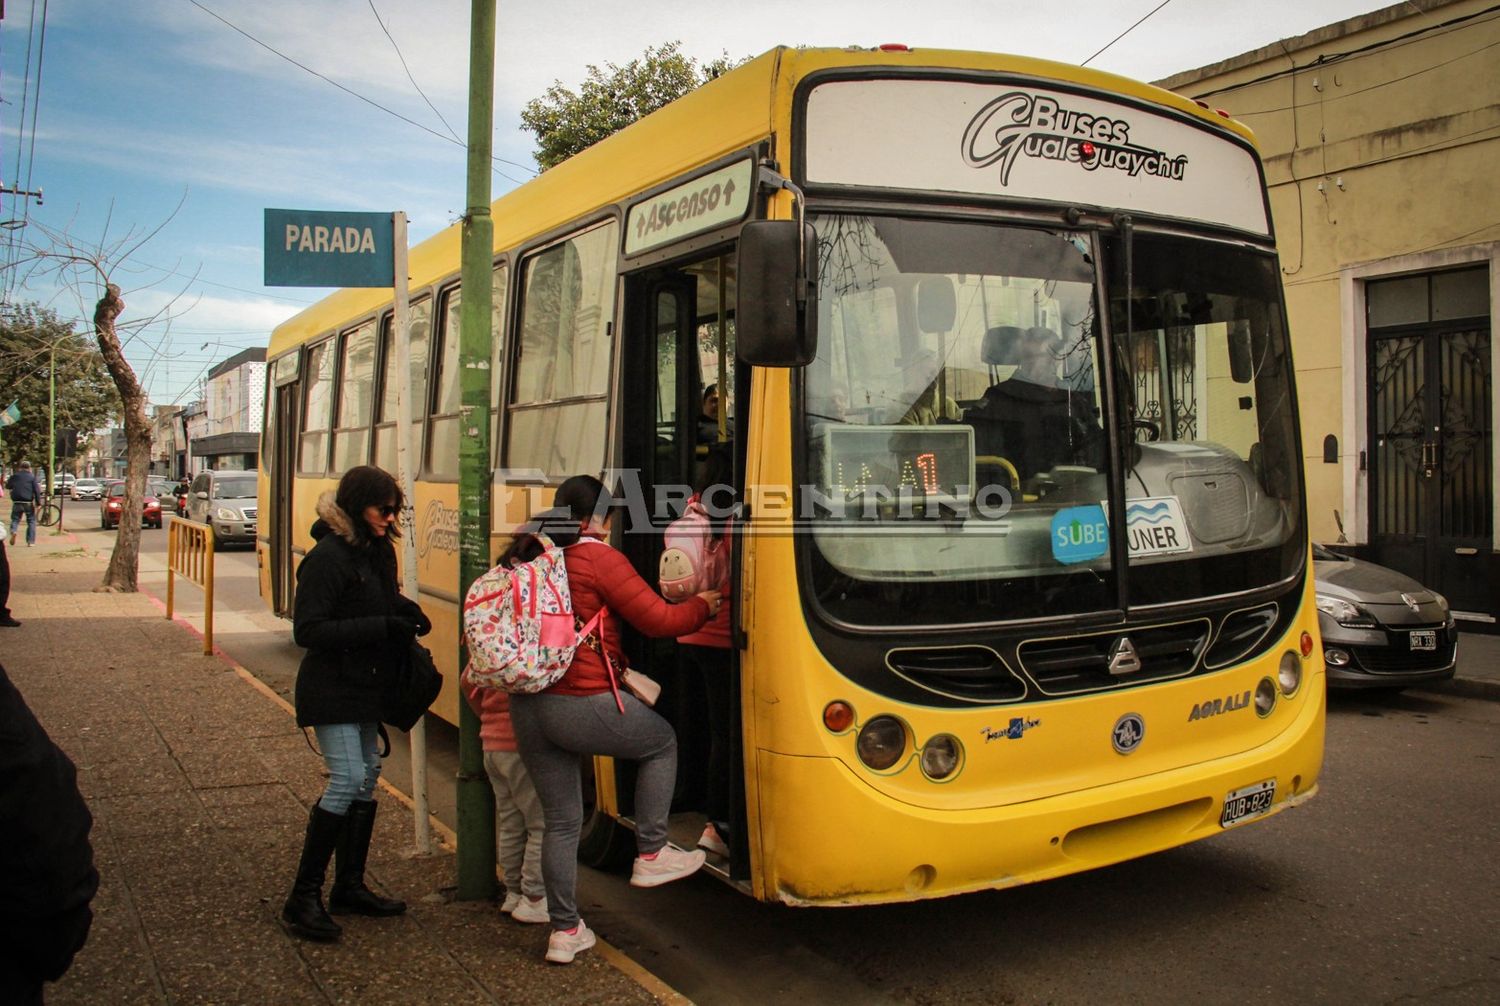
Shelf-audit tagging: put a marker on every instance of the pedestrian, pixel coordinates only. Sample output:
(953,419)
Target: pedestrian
(46,861)
(353,621)
(583,714)
(706,653)
(24,494)
(518,809)
(6,619)
(708,416)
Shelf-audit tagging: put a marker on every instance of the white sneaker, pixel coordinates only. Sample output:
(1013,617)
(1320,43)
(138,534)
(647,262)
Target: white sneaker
(563,947)
(531,912)
(713,841)
(670,864)
(512,899)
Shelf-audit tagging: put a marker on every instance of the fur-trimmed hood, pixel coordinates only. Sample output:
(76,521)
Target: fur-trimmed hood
(332,518)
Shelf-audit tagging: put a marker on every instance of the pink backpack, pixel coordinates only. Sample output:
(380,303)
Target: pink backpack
(694,560)
(518,622)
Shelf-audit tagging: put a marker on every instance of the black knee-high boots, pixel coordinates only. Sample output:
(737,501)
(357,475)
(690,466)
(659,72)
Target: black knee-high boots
(303,915)
(350,896)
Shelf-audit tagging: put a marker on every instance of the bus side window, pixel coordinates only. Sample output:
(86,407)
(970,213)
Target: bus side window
(317,410)
(558,410)
(385,430)
(442,431)
(351,437)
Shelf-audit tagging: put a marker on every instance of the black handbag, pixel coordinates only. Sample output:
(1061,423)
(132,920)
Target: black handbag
(412,688)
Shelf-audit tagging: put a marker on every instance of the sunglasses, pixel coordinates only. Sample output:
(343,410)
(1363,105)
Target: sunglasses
(388,511)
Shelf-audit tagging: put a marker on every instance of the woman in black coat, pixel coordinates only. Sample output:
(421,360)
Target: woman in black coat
(355,624)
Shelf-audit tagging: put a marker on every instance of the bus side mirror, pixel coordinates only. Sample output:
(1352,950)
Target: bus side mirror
(1241,355)
(776,314)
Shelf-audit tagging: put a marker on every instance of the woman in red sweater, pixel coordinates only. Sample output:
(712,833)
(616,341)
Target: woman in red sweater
(579,715)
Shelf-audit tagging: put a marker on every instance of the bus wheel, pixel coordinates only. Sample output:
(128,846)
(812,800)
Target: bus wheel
(603,842)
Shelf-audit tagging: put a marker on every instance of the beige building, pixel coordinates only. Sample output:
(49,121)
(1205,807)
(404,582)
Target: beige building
(1381,140)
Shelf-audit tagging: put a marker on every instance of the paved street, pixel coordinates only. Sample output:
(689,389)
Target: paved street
(1379,890)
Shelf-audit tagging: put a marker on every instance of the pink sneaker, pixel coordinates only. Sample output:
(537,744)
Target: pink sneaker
(562,947)
(670,864)
(531,912)
(713,841)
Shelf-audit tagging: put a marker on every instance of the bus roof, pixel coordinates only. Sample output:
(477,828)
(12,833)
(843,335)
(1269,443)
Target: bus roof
(727,114)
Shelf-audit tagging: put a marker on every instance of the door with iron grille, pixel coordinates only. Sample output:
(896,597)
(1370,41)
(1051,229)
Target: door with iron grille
(1431,479)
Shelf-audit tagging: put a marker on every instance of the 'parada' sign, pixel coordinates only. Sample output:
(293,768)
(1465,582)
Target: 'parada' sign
(327,248)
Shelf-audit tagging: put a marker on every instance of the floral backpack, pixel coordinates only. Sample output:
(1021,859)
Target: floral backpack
(518,622)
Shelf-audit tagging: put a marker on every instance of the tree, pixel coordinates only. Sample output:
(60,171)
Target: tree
(566,122)
(31,336)
(86,269)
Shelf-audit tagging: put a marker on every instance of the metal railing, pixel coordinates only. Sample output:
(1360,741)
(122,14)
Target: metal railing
(190,554)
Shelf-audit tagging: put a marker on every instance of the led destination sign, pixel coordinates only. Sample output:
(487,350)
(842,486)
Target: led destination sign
(891,462)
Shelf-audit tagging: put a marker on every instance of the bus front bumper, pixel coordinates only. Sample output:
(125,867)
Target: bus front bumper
(830,838)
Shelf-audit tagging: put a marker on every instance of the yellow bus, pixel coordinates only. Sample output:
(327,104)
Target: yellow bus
(1021,580)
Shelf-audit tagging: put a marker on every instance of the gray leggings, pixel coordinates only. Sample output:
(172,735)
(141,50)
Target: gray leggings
(553,731)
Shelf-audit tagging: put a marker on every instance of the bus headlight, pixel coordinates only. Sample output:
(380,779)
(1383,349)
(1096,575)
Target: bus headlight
(1265,697)
(881,742)
(1289,674)
(940,756)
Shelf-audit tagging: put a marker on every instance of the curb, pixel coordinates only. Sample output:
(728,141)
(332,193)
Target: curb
(1471,688)
(445,836)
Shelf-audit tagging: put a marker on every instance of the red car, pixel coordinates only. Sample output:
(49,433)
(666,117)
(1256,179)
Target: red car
(114,499)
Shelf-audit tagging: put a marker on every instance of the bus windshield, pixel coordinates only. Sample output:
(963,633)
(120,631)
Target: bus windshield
(955,425)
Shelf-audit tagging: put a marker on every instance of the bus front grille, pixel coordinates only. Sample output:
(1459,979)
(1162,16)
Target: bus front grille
(974,673)
(1073,665)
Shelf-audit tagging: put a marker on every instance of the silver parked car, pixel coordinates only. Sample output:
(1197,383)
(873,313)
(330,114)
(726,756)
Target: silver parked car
(1381,628)
(88,489)
(226,502)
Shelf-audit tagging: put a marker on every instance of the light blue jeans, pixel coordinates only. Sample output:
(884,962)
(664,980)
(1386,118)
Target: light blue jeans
(352,753)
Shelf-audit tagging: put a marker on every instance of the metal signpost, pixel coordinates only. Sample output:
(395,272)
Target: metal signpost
(328,248)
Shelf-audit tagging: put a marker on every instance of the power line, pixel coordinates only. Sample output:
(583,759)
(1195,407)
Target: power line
(1127,31)
(226,286)
(409,76)
(1384,83)
(1446,242)
(355,94)
(36,103)
(1325,59)
(11,244)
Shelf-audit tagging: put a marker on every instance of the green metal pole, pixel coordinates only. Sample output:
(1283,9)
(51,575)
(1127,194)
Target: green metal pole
(51,430)
(476,801)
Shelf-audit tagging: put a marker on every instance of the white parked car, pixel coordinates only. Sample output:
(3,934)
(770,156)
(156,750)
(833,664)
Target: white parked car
(88,489)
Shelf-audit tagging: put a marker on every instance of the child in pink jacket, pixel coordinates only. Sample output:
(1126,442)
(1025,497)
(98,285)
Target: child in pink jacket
(518,810)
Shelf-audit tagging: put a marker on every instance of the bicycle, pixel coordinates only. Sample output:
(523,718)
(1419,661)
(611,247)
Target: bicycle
(48,513)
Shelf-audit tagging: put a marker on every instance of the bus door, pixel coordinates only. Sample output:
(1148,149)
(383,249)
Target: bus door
(679,434)
(282,459)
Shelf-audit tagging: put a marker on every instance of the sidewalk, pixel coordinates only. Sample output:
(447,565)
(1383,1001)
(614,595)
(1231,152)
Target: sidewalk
(1478,674)
(199,782)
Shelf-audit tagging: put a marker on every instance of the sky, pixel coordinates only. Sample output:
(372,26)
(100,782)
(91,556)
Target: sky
(162,129)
